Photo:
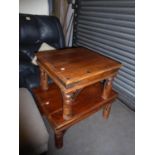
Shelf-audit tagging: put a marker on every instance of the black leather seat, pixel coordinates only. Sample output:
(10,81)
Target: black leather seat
(33,31)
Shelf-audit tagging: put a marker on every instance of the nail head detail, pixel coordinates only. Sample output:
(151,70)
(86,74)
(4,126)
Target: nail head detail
(47,103)
(88,71)
(62,68)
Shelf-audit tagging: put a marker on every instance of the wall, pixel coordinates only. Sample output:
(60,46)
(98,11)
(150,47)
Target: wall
(39,7)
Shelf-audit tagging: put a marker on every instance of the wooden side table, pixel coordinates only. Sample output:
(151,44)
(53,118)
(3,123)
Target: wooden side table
(77,90)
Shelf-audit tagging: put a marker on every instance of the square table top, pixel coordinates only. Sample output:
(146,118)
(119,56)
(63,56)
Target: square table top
(72,65)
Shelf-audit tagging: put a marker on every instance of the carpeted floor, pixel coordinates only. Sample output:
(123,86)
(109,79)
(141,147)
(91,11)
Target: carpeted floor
(96,136)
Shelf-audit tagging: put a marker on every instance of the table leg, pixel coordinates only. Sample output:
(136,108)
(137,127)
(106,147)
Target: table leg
(106,111)
(59,139)
(43,79)
(67,106)
(107,87)
(106,93)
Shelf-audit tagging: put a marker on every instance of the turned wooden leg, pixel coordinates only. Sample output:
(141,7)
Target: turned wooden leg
(107,87)
(106,93)
(59,139)
(43,79)
(67,106)
(106,111)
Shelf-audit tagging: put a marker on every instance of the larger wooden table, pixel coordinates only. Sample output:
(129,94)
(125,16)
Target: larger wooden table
(82,84)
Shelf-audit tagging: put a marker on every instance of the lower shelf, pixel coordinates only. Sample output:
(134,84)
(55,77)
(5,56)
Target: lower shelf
(88,101)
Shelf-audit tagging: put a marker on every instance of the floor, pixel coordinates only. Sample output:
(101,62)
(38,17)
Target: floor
(96,136)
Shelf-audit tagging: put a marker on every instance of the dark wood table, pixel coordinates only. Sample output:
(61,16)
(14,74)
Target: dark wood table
(82,84)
